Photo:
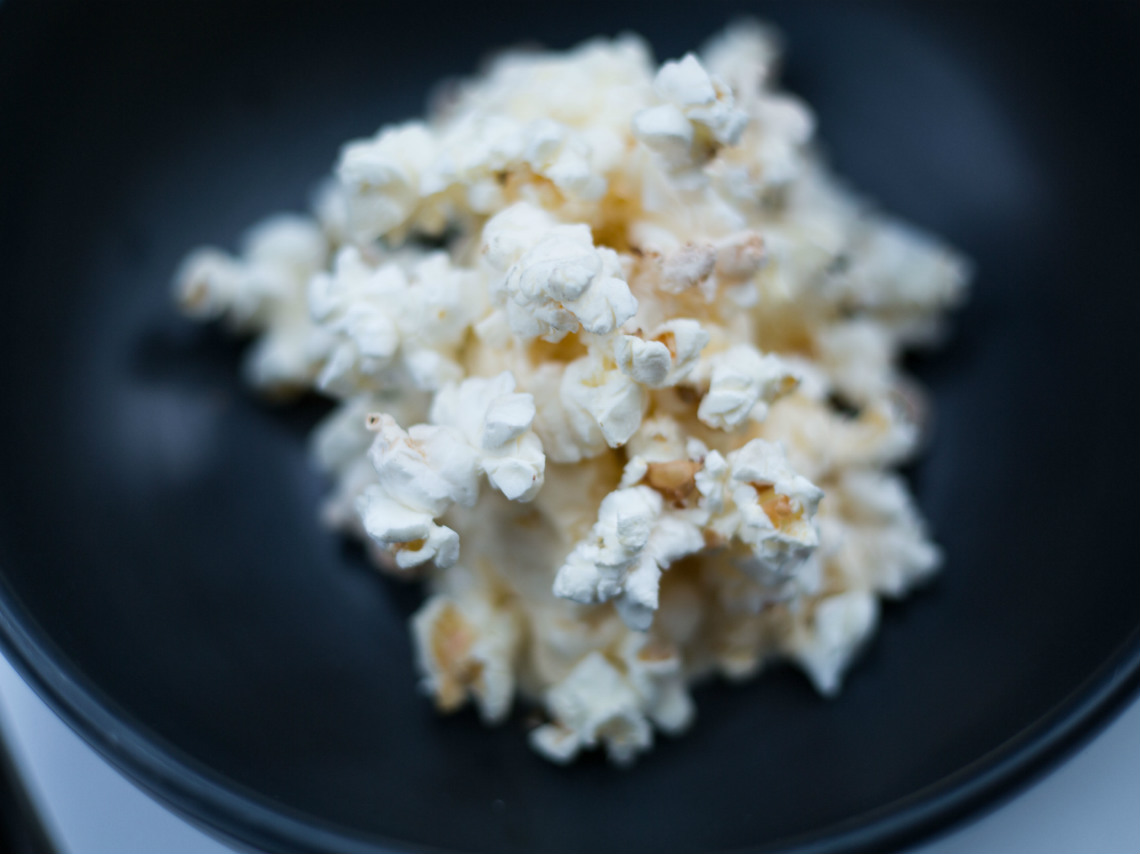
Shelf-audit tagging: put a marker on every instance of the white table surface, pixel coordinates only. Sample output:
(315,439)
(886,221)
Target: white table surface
(1089,805)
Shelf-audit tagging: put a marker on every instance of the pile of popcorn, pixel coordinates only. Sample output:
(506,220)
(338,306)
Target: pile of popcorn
(616,367)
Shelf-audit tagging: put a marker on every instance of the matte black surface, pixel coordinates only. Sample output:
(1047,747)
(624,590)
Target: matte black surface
(163,578)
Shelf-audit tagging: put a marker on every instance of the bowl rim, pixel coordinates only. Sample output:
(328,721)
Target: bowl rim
(226,810)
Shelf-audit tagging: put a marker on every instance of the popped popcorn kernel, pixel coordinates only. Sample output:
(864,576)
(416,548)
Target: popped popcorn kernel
(617,365)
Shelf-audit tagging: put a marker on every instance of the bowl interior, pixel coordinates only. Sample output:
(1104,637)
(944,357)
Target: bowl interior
(158,531)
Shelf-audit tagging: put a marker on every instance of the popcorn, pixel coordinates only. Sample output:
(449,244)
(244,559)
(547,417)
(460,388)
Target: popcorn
(495,422)
(381,178)
(600,398)
(479,427)
(768,507)
(696,106)
(422,472)
(745,57)
(883,545)
(262,291)
(742,383)
(614,561)
(593,705)
(633,301)
(665,359)
(467,648)
(557,281)
(409,317)
(751,497)
(839,626)
(704,98)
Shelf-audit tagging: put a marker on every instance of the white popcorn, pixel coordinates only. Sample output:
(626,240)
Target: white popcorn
(658,439)
(593,705)
(839,626)
(568,431)
(634,300)
(395,316)
(902,278)
(601,399)
(495,422)
(422,472)
(555,280)
(655,671)
(596,569)
(262,291)
(596,704)
(744,56)
(479,426)
(743,383)
(667,131)
(753,497)
(857,357)
(382,177)
(624,554)
(339,446)
(665,359)
(694,103)
(882,542)
(645,362)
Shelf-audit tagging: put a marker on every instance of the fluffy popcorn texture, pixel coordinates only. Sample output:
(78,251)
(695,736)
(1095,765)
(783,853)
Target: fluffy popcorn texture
(553,280)
(633,301)
(263,291)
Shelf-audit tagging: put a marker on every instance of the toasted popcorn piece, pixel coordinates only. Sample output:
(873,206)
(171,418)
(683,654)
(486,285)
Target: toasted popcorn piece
(634,299)
(467,648)
(740,256)
(755,497)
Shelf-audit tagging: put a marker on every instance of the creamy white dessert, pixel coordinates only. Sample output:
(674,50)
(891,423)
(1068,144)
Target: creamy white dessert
(635,424)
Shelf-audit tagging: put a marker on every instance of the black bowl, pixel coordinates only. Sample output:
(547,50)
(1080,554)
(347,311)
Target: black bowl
(166,586)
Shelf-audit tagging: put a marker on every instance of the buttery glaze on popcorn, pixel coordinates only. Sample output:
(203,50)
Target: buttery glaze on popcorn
(661,333)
